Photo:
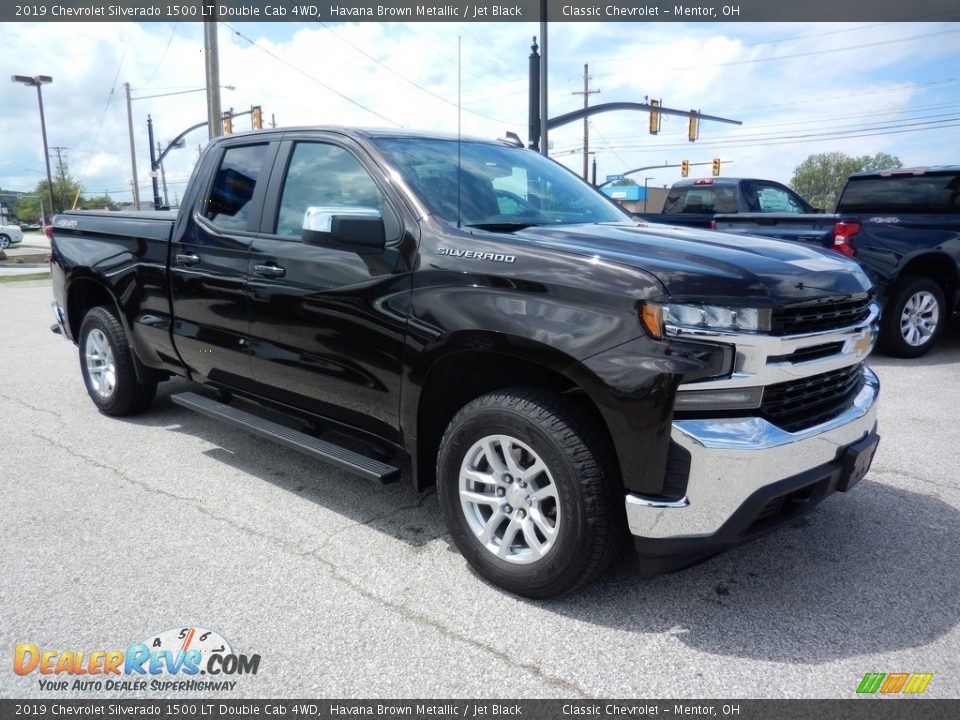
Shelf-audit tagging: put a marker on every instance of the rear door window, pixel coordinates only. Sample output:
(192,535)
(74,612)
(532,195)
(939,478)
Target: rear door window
(702,199)
(228,206)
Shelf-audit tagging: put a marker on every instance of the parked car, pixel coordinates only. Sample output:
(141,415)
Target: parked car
(10,235)
(471,315)
(903,226)
(694,202)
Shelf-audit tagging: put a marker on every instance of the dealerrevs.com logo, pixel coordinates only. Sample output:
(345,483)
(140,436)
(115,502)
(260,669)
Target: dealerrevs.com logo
(179,659)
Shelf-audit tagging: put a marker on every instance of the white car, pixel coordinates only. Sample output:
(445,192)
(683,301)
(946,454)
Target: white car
(10,235)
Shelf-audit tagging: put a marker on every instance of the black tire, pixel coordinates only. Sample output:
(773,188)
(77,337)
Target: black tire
(4,242)
(587,511)
(118,392)
(913,318)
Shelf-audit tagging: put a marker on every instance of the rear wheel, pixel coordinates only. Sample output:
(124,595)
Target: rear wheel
(525,493)
(107,363)
(4,242)
(914,317)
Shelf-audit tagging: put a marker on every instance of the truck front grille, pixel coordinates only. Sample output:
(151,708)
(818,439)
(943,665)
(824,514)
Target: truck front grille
(799,404)
(820,316)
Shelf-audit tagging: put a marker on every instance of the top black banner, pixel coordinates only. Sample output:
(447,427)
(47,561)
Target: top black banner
(481,11)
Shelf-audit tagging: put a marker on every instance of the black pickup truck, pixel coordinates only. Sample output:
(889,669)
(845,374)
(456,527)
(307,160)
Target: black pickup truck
(695,202)
(471,315)
(903,226)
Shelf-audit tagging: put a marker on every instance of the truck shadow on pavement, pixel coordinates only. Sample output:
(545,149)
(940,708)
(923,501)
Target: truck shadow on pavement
(395,509)
(873,572)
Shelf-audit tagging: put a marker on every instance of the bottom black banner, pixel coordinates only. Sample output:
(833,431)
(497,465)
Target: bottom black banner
(854,709)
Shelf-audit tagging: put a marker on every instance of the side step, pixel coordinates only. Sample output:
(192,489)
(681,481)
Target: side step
(314,447)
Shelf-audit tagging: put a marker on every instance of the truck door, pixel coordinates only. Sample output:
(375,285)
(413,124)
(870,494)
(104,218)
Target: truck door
(208,265)
(327,325)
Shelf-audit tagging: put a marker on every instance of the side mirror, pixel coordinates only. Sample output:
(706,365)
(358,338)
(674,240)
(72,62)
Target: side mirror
(356,229)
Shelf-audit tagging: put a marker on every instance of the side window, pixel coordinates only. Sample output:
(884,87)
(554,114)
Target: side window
(775,200)
(228,206)
(321,175)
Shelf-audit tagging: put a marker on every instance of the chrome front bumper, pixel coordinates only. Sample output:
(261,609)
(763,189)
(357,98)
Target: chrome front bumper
(732,459)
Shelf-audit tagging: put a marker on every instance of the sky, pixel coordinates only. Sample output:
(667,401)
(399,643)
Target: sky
(799,89)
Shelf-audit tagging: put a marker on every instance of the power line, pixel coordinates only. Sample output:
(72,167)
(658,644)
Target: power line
(163,56)
(312,78)
(408,80)
(791,56)
(817,137)
(722,137)
(794,38)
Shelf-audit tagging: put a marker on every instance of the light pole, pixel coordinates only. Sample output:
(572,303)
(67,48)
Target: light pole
(37,81)
(133,152)
(645,181)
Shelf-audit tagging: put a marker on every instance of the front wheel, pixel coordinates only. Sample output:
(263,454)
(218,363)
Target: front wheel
(526,494)
(913,318)
(106,361)
(4,242)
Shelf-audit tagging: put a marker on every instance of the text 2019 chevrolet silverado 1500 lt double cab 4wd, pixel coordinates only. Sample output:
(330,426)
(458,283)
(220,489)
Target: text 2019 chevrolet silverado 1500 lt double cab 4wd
(903,226)
(473,315)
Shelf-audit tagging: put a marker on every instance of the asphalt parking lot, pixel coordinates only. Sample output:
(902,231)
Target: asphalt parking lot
(113,530)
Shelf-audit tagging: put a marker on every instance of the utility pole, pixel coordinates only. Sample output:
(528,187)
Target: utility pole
(212,57)
(61,173)
(163,177)
(544,140)
(586,92)
(133,152)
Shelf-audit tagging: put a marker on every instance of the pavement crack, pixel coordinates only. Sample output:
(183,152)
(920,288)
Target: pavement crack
(569,689)
(373,518)
(910,475)
(147,487)
(564,687)
(30,406)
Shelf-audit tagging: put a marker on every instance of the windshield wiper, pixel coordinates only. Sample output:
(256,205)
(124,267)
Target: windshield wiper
(502,226)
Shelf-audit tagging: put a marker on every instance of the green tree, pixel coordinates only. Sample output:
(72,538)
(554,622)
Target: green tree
(64,191)
(821,177)
(626,182)
(98,202)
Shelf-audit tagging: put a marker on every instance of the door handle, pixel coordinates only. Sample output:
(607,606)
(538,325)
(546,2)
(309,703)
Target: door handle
(187,259)
(270,271)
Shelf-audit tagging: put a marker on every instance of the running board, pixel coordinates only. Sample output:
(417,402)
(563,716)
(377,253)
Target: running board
(314,447)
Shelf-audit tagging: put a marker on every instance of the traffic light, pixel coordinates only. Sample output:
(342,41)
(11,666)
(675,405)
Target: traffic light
(684,168)
(693,131)
(227,123)
(654,116)
(256,115)
(716,166)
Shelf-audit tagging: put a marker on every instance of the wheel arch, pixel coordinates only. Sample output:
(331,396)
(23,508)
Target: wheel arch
(937,266)
(87,292)
(464,372)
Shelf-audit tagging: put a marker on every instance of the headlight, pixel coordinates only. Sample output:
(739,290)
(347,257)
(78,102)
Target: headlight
(658,316)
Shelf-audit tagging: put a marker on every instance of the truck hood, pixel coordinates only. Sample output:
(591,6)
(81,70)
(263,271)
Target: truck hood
(708,265)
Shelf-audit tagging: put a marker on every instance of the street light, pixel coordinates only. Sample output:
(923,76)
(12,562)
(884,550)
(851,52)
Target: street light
(133,152)
(37,81)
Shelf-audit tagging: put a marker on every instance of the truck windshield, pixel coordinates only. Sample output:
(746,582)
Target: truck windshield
(497,188)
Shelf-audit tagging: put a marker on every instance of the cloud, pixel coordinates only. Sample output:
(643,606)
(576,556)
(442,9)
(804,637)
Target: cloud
(782,80)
